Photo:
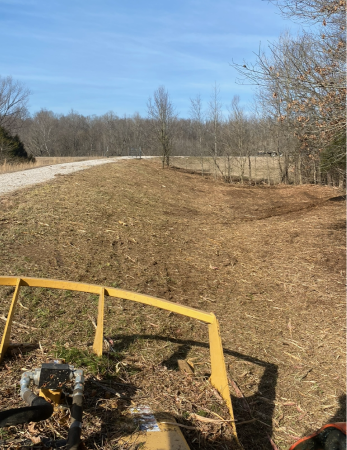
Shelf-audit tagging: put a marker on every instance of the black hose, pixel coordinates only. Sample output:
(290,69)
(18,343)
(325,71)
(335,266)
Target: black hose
(38,410)
(74,436)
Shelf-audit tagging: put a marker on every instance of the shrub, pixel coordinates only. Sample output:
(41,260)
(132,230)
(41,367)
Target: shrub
(334,156)
(12,149)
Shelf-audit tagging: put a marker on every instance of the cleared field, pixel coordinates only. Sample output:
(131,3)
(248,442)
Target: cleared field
(268,261)
(263,169)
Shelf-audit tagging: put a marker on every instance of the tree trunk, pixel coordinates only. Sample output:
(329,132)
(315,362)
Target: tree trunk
(341,180)
(319,174)
(300,169)
(329,180)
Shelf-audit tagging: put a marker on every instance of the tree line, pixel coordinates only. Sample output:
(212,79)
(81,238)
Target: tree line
(298,115)
(205,133)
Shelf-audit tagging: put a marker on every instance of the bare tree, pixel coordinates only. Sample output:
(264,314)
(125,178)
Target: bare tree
(306,75)
(197,116)
(137,133)
(162,114)
(42,133)
(314,11)
(215,117)
(13,103)
(238,133)
(110,134)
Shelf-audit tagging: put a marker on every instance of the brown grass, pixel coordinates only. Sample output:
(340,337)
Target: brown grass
(268,261)
(42,161)
(263,169)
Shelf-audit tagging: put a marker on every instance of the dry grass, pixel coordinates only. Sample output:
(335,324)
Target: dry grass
(43,161)
(268,261)
(263,169)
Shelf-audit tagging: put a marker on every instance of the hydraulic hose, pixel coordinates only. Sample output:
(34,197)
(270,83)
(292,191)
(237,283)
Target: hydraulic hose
(38,409)
(74,436)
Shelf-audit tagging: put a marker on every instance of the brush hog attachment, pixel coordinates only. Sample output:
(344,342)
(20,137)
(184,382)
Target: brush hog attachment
(161,432)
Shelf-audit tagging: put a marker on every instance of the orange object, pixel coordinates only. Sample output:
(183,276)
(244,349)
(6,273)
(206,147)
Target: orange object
(329,437)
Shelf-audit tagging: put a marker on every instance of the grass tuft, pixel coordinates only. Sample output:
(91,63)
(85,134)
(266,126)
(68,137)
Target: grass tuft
(84,359)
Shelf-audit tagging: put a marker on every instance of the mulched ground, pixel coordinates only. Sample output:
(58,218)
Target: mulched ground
(268,261)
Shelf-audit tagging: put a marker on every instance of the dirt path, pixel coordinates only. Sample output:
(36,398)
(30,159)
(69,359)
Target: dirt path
(269,262)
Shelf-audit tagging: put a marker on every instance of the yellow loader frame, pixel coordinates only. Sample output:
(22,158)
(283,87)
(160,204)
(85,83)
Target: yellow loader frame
(218,378)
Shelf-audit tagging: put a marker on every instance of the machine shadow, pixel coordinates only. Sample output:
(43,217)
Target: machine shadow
(104,407)
(340,414)
(257,410)
(116,428)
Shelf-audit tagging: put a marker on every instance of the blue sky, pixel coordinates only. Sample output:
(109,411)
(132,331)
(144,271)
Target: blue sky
(94,56)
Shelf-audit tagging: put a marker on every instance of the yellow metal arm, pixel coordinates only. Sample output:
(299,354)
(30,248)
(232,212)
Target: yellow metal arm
(218,377)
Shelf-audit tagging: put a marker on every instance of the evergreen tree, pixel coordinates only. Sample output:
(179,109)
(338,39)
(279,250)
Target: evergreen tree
(333,160)
(12,148)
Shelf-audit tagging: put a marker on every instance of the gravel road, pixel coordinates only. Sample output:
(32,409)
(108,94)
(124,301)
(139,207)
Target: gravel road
(12,181)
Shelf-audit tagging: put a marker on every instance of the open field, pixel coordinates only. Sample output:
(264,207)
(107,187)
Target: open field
(42,161)
(269,261)
(264,169)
